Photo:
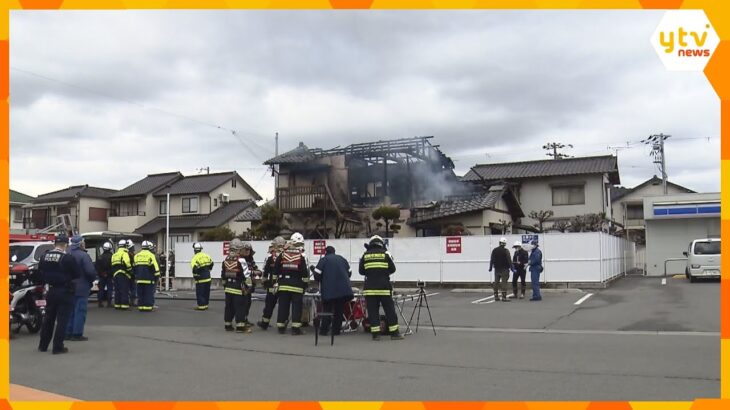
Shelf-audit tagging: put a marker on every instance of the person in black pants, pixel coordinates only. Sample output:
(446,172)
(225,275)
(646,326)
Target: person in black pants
(269,281)
(57,270)
(290,270)
(234,274)
(377,266)
(333,273)
(519,263)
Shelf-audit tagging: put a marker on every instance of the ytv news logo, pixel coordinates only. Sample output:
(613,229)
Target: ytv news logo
(685,40)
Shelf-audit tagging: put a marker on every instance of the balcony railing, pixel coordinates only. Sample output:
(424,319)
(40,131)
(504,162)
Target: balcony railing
(114,212)
(304,198)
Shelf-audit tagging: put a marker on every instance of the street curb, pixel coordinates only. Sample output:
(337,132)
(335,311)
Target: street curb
(542,290)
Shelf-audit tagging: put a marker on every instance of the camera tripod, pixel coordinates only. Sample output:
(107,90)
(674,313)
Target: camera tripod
(420,298)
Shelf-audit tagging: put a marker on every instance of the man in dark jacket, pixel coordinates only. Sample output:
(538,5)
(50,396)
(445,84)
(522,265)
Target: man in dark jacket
(104,270)
(377,266)
(501,262)
(58,271)
(87,275)
(536,269)
(333,273)
(519,262)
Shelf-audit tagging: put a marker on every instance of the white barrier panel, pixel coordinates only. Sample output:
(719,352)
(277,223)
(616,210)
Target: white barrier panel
(569,257)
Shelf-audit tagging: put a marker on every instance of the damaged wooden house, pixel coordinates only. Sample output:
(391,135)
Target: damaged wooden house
(331,193)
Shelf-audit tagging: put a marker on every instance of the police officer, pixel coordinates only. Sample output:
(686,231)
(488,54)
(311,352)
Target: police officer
(377,266)
(536,269)
(234,274)
(58,271)
(122,273)
(519,263)
(103,267)
(270,282)
(291,271)
(201,264)
(501,262)
(246,257)
(146,273)
(87,275)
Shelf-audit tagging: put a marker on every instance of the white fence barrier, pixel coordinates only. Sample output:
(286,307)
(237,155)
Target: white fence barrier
(567,257)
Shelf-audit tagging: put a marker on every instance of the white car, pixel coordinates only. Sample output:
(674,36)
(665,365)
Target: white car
(703,259)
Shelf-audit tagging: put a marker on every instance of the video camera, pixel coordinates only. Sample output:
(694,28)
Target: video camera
(421,283)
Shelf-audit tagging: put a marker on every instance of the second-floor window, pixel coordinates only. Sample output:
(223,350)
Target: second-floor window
(569,195)
(190,205)
(635,211)
(233,183)
(163,206)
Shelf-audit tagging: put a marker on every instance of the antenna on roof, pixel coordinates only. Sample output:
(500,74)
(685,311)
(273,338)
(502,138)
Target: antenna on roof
(554,147)
(201,169)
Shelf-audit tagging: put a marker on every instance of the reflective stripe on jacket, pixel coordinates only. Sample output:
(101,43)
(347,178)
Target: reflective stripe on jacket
(377,266)
(121,263)
(146,269)
(201,264)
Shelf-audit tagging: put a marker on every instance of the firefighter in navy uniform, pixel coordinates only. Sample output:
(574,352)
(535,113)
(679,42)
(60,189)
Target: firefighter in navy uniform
(106,282)
(234,274)
(57,271)
(122,273)
(269,281)
(291,271)
(377,266)
(201,264)
(246,257)
(146,273)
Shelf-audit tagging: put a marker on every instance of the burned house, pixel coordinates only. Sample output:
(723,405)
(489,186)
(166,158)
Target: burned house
(331,193)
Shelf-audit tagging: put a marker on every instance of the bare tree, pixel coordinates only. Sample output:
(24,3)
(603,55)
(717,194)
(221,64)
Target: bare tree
(541,217)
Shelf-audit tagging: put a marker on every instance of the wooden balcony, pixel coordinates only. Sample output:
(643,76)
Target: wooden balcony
(302,198)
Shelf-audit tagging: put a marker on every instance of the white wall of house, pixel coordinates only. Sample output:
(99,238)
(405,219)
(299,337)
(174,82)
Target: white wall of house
(636,198)
(537,195)
(240,192)
(86,224)
(239,227)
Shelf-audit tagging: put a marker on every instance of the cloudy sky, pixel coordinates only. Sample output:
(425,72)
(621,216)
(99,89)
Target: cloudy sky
(106,98)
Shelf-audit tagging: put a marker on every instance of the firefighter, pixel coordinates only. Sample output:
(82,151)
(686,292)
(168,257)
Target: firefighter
(297,240)
(132,283)
(103,269)
(377,266)
(291,271)
(233,274)
(122,273)
(269,281)
(246,257)
(501,262)
(201,264)
(519,263)
(146,273)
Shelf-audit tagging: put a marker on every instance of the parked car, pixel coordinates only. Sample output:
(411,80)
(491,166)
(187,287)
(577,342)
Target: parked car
(703,259)
(28,254)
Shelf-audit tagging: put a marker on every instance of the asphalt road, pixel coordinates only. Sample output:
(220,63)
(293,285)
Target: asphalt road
(637,340)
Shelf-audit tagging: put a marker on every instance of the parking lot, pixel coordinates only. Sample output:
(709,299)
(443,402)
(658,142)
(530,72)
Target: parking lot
(636,340)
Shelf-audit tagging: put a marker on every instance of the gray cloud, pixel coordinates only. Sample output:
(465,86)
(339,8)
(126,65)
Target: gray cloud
(128,93)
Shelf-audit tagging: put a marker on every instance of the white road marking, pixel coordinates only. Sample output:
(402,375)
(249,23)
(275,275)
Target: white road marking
(482,300)
(578,332)
(583,299)
(664,281)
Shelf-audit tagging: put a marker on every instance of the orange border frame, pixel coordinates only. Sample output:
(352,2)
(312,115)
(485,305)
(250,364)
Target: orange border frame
(718,11)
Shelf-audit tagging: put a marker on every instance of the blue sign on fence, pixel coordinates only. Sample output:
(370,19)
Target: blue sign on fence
(529,238)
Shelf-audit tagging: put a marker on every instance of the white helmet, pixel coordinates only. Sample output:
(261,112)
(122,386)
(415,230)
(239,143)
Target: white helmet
(517,244)
(197,247)
(377,240)
(297,238)
(130,244)
(122,243)
(106,246)
(147,245)
(503,241)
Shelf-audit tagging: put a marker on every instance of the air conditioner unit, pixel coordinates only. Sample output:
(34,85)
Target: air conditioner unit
(224,198)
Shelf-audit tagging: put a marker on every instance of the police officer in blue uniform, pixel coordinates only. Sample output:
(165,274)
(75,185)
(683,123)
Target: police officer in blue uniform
(58,271)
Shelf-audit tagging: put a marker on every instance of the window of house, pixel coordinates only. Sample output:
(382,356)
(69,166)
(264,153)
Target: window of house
(569,195)
(17,215)
(635,211)
(163,206)
(97,214)
(215,201)
(233,183)
(190,205)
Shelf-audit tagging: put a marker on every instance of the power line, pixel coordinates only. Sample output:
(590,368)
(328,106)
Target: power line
(233,132)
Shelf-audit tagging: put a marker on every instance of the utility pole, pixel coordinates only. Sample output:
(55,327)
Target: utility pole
(554,147)
(206,169)
(657,152)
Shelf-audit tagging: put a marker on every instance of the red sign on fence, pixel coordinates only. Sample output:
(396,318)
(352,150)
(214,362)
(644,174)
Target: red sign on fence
(453,244)
(226,247)
(319,247)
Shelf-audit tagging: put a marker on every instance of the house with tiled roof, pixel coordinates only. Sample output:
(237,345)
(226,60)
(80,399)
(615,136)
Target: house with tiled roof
(17,201)
(86,205)
(197,203)
(568,187)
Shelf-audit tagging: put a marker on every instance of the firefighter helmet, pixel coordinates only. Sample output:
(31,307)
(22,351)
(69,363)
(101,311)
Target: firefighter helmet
(122,243)
(147,245)
(296,237)
(503,241)
(236,244)
(197,247)
(376,240)
(106,246)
